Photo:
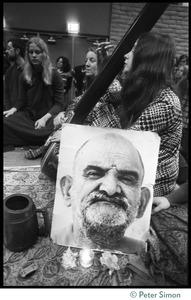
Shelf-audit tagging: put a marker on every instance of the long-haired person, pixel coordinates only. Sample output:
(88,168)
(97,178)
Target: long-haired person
(150,102)
(64,69)
(30,121)
(182,83)
(106,106)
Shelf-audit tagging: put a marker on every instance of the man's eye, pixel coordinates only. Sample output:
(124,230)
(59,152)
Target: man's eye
(93,175)
(127,180)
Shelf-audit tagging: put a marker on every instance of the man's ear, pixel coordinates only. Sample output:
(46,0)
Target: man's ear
(145,197)
(65,184)
(17,50)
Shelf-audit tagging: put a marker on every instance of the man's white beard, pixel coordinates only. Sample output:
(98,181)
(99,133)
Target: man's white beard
(105,223)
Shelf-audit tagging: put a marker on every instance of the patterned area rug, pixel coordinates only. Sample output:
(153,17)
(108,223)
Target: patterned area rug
(30,181)
(47,255)
(170,226)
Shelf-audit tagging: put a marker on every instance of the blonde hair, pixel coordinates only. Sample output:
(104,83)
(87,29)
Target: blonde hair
(46,63)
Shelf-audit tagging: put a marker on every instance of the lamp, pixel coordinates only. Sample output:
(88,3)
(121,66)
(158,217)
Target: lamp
(51,40)
(24,38)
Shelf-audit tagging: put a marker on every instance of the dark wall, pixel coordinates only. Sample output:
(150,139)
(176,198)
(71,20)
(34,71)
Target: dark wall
(94,18)
(63,47)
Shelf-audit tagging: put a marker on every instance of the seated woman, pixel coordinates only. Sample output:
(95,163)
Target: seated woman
(41,92)
(78,74)
(64,69)
(150,103)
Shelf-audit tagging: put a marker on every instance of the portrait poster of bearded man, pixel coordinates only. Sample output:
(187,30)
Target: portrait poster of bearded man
(104,188)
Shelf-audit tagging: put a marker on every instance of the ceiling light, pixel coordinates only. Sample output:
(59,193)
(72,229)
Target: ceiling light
(4,22)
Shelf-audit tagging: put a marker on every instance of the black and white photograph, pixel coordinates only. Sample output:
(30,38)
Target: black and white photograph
(104,188)
(95,147)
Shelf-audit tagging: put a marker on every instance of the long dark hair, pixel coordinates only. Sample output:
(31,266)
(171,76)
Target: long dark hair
(66,65)
(182,84)
(151,71)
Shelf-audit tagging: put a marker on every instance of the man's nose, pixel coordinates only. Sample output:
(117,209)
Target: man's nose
(110,184)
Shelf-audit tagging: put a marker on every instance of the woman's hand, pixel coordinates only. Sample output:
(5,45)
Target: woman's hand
(56,136)
(102,52)
(59,120)
(104,46)
(9,112)
(41,123)
(160,203)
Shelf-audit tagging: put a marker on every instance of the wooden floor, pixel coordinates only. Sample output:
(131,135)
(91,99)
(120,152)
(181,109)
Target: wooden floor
(17,158)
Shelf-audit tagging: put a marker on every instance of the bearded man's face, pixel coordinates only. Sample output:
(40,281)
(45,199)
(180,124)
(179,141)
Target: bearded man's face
(106,190)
